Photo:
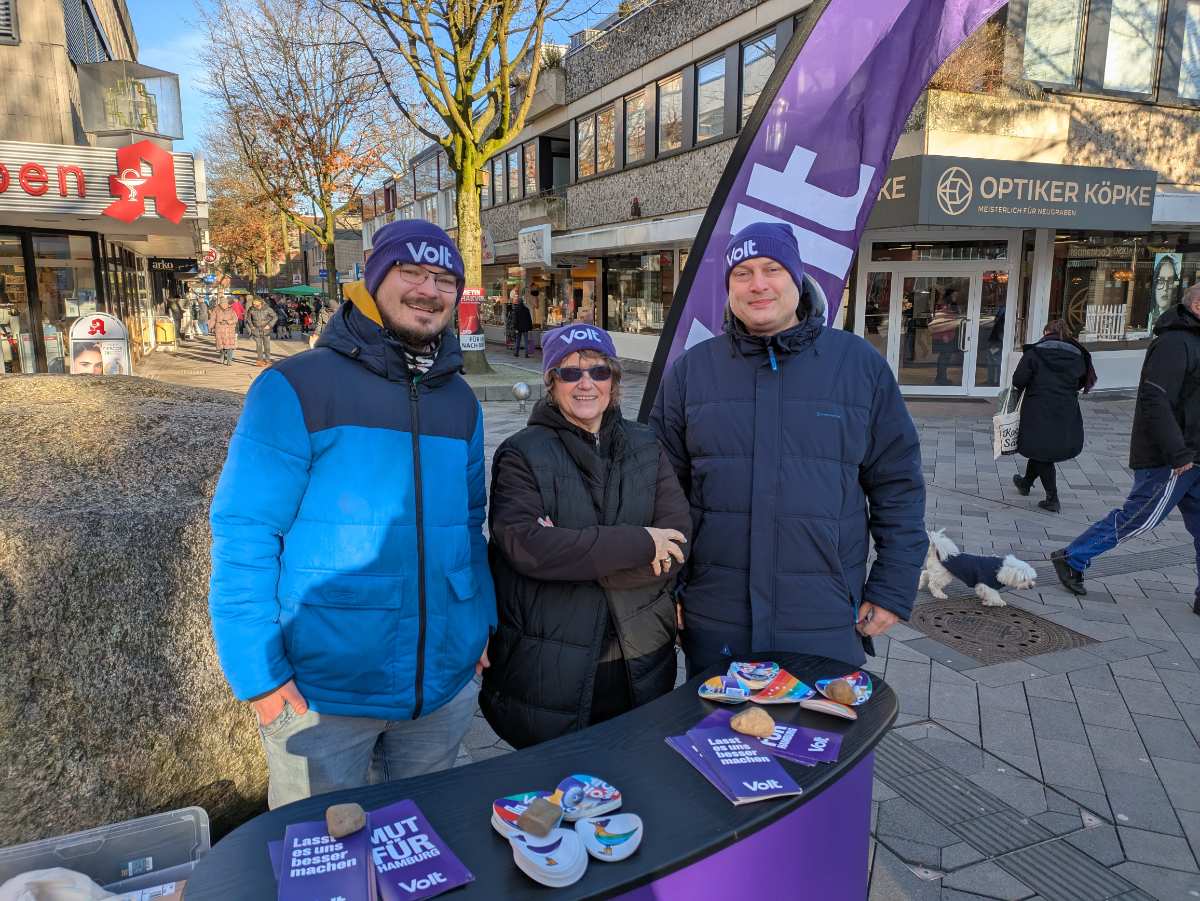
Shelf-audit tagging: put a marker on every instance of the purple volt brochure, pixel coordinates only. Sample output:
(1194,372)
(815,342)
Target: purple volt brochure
(314,865)
(411,860)
(747,771)
(683,746)
(798,744)
(275,852)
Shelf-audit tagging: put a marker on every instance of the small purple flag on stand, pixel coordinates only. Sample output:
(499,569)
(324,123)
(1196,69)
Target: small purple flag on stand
(816,148)
(411,860)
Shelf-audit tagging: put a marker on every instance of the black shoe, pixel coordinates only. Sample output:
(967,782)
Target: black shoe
(1071,578)
(1051,504)
(1022,485)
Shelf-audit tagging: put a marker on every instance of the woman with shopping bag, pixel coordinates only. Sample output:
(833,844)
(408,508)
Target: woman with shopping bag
(1051,374)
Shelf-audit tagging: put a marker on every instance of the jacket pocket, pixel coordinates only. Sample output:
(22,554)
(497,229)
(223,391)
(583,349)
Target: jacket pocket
(345,635)
(463,582)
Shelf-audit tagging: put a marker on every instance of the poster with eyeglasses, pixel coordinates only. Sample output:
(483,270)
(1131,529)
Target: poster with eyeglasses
(1168,267)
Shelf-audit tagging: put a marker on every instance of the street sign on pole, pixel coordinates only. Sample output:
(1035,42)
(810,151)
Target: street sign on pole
(323,273)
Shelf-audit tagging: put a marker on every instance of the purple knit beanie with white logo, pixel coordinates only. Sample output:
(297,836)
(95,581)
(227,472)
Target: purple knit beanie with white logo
(773,240)
(559,343)
(411,241)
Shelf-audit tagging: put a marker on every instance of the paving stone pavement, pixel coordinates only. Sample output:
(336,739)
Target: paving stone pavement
(1073,775)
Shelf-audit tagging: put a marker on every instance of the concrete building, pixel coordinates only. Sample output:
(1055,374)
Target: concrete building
(596,203)
(96,211)
(347,250)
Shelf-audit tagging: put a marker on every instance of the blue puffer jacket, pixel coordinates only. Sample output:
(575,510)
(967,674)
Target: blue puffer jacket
(791,450)
(358,565)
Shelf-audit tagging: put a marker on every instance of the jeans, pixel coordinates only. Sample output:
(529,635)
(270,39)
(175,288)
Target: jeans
(1037,469)
(262,345)
(317,753)
(203,326)
(1154,494)
(226,354)
(517,344)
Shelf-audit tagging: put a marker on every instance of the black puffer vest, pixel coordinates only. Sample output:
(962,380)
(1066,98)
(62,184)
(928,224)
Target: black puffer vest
(551,634)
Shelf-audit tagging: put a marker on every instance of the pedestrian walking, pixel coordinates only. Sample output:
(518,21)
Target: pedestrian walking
(793,444)
(187,328)
(225,326)
(523,323)
(1164,447)
(202,315)
(1051,374)
(326,312)
(240,309)
(588,527)
(260,321)
(351,598)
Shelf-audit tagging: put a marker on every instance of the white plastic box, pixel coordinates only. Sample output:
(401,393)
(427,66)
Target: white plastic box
(122,857)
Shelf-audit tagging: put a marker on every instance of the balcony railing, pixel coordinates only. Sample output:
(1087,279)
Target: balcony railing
(548,206)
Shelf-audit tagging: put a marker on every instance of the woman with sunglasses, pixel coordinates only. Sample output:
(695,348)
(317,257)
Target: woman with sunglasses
(589,528)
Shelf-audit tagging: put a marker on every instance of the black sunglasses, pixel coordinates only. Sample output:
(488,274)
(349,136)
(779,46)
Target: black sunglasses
(601,373)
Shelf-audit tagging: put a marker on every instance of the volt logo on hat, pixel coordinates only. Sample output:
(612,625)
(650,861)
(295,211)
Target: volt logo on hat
(744,251)
(428,253)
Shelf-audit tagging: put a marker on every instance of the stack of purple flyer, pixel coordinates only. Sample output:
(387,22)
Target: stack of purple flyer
(739,770)
(411,860)
(313,865)
(798,744)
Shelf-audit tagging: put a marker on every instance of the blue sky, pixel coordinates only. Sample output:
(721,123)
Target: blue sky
(169,38)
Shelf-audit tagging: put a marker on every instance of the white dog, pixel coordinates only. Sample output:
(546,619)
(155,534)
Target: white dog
(944,564)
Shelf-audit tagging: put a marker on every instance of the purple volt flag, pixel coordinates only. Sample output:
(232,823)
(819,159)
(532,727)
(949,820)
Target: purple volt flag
(815,151)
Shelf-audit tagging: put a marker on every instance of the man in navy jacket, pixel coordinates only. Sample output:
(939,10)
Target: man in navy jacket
(793,444)
(351,598)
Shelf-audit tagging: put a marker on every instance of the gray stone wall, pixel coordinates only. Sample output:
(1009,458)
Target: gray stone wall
(678,183)
(502,220)
(1129,135)
(657,29)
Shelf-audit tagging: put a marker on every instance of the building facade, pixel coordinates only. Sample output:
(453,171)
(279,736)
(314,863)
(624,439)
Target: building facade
(97,213)
(1063,182)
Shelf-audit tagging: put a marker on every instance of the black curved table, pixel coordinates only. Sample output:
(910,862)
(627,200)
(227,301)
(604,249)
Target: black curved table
(688,824)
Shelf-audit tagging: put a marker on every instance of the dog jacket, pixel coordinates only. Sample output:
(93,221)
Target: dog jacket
(972,569)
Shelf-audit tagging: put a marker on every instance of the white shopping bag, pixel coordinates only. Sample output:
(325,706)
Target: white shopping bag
(1006,425)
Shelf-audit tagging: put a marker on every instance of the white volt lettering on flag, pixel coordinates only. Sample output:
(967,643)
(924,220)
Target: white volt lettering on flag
(790,190)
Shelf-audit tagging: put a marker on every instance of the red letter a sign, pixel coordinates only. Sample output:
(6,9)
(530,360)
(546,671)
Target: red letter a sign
(132,188)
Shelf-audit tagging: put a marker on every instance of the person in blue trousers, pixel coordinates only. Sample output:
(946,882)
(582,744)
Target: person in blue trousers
(1163,448)
(351,598)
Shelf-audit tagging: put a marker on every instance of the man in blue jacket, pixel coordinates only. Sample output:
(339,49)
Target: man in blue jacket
(351,598)
(793,444)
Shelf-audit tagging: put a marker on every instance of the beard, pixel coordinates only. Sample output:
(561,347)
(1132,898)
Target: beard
(416,338)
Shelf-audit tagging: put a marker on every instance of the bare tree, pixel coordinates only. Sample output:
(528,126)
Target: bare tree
(476,65)
(302,106)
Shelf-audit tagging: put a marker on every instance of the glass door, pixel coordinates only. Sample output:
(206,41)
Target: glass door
(934,317)
(990,324)
(16,325)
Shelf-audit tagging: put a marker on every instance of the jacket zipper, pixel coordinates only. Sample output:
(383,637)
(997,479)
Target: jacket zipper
(415,405)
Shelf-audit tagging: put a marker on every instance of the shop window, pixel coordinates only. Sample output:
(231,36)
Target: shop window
(635,128)
(485,185)
(66,286)
(498,183)
(1112,288)
(1053,41)
(758,59)
(16,328)
(514,173)
(529,152)
(1132,46)
(585,147)
(1188,86)
(640,288)
(670,114)
(710,99)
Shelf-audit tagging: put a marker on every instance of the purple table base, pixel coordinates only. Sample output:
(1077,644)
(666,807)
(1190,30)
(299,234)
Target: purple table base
(817,851)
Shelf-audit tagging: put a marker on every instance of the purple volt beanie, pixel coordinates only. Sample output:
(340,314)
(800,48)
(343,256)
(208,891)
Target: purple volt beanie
(773,240)
(411,241)
(567,339)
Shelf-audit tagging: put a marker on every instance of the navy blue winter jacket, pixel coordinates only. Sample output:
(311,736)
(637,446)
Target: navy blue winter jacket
(791,449)
(359,567)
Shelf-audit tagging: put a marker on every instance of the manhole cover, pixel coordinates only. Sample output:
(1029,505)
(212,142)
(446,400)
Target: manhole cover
(993,634)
